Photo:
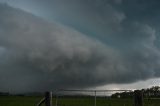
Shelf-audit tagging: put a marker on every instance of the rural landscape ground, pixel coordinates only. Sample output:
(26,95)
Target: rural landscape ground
(79,101)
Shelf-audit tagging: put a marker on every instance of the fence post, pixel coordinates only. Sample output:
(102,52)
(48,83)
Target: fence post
(95,99)
(138,98)
(56,100)
(48,98)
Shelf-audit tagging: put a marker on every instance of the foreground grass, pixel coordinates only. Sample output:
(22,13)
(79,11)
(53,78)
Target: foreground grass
(18,100)
(31,101)
(90,102)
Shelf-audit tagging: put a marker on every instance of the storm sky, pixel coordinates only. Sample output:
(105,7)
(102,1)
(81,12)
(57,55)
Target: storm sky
(79,44)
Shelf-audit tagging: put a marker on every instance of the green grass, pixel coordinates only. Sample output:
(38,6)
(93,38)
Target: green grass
(87,101)
(90,102)
(18,101)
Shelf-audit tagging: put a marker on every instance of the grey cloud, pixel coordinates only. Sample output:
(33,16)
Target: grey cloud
(46,56)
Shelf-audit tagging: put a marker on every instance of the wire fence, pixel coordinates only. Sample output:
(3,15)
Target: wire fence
(89,98)
(100,98)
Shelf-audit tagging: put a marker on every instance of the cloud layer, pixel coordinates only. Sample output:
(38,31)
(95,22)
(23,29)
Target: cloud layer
(40,55)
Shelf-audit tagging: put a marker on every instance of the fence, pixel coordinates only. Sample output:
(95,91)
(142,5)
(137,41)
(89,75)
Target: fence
(92,98)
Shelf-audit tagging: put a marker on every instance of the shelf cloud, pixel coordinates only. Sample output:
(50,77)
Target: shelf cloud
(39,55)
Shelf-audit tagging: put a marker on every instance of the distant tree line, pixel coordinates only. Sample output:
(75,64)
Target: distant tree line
(4,93)
(153,92)
(22,94)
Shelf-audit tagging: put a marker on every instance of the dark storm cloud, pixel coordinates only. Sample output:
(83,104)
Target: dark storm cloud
(36,54)
(40,55)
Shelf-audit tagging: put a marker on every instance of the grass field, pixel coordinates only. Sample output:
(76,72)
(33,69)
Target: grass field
(31,101)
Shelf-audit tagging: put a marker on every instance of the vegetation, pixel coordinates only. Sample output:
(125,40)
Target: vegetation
(151,98)
(18,100)
(88,101)
(153,92)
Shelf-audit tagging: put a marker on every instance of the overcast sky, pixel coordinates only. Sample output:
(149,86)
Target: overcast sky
(79,44)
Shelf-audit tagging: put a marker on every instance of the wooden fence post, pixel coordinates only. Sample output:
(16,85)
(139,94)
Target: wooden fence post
(95,98)
(138,98)
(48,98)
